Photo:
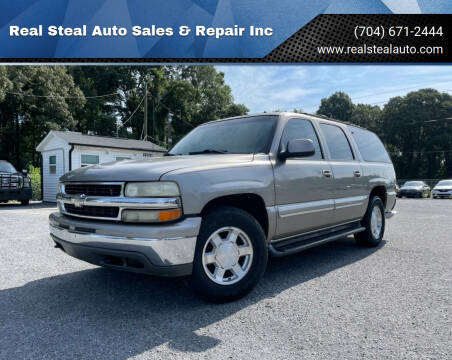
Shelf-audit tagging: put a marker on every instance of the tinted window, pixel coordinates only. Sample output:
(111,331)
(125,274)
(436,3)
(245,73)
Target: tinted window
(369,145)
(301,129)
(237,136)
(337,142)
(6,167)
(414,183)
(445,183)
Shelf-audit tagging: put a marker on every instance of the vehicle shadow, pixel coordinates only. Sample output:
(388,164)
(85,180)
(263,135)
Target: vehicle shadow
(32,205)
(106,314)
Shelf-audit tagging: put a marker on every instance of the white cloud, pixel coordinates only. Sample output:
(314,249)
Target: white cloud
(270,87)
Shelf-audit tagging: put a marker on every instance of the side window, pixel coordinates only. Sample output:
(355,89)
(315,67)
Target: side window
(119,158)
(337,142)
(301,129)
(369,145)
(87,160)
(52,164)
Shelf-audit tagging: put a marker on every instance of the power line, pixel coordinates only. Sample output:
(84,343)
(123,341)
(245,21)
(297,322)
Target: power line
(64,97)
(130,117)
(420,152)
(389,92)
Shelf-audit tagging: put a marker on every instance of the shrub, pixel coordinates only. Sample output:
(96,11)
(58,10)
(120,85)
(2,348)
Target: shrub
(35,178)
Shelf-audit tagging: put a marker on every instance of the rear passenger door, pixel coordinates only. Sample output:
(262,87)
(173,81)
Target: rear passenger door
(350,196)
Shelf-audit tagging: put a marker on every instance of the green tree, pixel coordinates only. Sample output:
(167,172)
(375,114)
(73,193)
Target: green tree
(416,142)
(38,99)
(367,116)
(338,106)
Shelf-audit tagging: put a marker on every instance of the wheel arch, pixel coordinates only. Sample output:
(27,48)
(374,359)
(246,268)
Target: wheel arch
(381,192)
(251,203)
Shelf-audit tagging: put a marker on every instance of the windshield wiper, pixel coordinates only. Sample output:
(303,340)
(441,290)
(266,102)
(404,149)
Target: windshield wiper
(207,151)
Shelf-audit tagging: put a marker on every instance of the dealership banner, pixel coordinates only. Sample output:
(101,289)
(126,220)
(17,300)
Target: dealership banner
(226,31)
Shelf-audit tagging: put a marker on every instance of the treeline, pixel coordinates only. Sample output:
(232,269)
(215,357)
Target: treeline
(106,100)
(416,129)
(101,100)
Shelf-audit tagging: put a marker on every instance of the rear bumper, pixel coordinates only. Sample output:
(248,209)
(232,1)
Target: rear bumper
(166,250)
(22,194)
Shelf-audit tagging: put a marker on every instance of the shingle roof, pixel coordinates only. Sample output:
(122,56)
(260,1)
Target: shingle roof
(77,138)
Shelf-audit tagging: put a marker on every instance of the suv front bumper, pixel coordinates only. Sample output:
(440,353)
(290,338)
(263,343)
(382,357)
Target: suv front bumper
(16,194)
(166,250)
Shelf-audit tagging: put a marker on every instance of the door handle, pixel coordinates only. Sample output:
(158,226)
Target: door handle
(357,173)
(327,173)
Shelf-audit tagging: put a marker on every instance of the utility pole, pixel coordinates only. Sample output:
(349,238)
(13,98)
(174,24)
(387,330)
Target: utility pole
(169,140)
(145,123)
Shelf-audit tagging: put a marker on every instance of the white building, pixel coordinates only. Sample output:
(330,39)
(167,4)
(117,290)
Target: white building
(63,151)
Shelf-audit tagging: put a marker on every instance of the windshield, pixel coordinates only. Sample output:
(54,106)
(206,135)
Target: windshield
(6,167)
(413,183)
(445,183)
(247,135)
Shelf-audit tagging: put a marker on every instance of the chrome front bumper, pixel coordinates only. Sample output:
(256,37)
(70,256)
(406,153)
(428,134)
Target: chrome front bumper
(160,247)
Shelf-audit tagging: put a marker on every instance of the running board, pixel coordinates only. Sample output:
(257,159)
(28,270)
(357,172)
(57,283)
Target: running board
(302,243)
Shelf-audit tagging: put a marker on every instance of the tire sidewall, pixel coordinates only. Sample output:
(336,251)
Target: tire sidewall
(366,237)
(225,217)
(376,201)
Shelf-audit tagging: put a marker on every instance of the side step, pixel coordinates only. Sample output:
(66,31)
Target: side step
(303,242)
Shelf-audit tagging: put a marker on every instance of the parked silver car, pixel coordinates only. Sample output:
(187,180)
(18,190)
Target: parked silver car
(443,189)
(230,193)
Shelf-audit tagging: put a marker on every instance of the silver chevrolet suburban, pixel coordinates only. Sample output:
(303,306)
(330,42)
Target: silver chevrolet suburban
(228,195)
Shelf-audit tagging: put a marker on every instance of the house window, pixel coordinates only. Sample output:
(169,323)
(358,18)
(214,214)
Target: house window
(52,164)
(88,160)
(119,158)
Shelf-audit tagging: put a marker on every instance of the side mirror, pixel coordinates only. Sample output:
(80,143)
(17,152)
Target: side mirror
(298,148)
(25,172)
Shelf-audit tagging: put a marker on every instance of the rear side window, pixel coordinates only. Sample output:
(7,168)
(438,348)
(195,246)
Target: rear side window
(301,129)
(369,145)
(337,142)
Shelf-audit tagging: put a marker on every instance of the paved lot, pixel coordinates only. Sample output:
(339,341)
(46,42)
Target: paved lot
(337,301)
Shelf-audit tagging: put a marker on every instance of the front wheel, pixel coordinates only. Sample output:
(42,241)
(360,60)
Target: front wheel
(231,255)
(374,222)
(25,202)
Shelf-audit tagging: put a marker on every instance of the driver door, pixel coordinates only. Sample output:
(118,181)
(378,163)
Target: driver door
(304,186)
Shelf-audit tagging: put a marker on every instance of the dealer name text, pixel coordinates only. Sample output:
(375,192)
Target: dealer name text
(139,31)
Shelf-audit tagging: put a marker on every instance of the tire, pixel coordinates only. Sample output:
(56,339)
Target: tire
(370,237)
(215,277)
(25,202)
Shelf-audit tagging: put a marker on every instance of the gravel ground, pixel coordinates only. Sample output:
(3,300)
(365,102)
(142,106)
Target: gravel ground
(337,301)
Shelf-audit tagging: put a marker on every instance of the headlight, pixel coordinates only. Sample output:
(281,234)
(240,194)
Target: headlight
(149,189)
(60,188)
(26,182)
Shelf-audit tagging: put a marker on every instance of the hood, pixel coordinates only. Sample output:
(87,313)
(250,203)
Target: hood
(442,187)
(151,169)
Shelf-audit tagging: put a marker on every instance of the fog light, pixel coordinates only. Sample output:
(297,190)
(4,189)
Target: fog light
(147,216)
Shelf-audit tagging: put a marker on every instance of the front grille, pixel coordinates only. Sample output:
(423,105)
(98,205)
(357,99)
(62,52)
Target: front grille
(93,189)
(94,211)
(10,182)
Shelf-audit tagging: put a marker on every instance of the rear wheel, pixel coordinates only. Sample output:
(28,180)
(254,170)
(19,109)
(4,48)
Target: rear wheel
(25,202)
(230,257)
(374,222)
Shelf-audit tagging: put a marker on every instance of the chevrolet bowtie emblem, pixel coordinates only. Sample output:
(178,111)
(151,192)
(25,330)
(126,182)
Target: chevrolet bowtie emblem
(79,200)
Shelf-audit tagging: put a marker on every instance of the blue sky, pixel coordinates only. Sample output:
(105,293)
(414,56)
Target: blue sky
(285,87)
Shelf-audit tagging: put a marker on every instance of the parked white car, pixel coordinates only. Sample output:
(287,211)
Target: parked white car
(443,189)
